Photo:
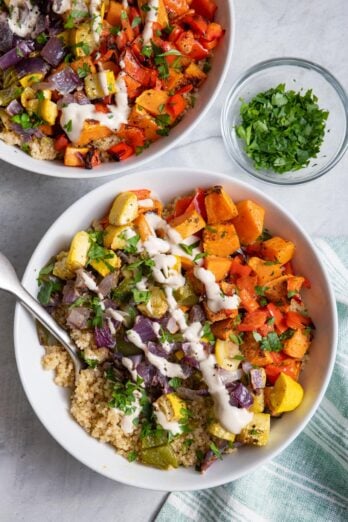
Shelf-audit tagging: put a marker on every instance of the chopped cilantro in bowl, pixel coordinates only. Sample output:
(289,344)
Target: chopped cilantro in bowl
(285,121)
(282,129)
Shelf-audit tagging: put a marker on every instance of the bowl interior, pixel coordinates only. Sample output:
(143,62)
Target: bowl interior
(50,403)
(206,96)
(299,76)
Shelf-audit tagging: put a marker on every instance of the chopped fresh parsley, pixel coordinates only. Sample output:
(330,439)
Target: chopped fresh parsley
(27,121)
(132,242)
(236,338)
(83,71)
(260,290)
(199,256)
(132,456)
(215,450)
(175,382)
(207,333)
(282,130)
(48,288)
(123,397)
(68,126)
(141,296)
(188,249)
(73,16)
(115,30)
(97,309)
(136,21)
(41,38)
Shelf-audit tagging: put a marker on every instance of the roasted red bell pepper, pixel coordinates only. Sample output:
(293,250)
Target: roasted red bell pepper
(296,321)
(252,321)
(176,105)
(290,367)
(238,268)
(279,321)
(206,8)
(121,151)
(190,47)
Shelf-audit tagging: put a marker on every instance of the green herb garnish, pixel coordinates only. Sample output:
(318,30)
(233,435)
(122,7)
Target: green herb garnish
(282,130)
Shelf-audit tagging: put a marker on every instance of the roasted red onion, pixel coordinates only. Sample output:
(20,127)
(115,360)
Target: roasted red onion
(258,378)
(197,314)
(144,328)
(230,376)
(32,66)
(53,51)
(240,396)
(78,317)
(108,283)
(103,337)
(64,81)
(14,107)
(15,55)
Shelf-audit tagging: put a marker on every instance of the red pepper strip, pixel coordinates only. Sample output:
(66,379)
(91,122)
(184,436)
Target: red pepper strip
(253,321)
(181,205)
(121,151)
(238,269)
(206,8)
(142,193)
(247,301)
(278,318)
(176,105)
(296,321)
(197,23)
(187,45)
(290,367)
(198,203)
(61,143)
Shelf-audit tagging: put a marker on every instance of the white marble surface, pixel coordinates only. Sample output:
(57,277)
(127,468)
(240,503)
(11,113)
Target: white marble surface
(38,479)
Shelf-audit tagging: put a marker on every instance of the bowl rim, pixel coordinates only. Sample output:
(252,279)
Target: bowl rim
(268,64)
(193,174)
(61,171)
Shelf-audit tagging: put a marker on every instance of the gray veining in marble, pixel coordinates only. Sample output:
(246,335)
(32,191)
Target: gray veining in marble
(39,481)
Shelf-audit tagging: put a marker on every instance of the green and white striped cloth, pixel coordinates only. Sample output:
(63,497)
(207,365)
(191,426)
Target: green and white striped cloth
(309,481)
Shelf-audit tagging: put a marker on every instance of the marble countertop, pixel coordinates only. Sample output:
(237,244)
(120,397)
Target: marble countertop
(38,479)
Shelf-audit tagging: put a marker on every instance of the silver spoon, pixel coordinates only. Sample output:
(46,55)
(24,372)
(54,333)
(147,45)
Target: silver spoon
(10,283)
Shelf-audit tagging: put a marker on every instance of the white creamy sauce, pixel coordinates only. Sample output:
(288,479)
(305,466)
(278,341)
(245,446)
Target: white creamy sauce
(172,426)
(96,18)
(231,418)
(103,82)
(125,4)
(142,284)
(127,423)
(128,363)
(61,6)
(111,326)
(23,17)
(151,17)
(116,314)
(145,203)
(89,282)
(161,251)
(216,299)
(74,115)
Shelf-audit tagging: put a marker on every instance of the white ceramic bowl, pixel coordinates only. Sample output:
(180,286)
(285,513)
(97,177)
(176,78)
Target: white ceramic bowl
(207,95)
(50,402)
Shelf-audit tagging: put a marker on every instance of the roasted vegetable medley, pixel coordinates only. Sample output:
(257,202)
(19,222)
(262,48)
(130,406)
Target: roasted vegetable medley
(190,321)
(90,81)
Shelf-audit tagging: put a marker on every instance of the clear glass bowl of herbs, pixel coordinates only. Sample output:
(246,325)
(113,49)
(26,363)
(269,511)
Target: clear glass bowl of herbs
(285,121)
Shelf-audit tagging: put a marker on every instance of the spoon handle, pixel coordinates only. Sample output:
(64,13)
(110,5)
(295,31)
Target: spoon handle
(10,283)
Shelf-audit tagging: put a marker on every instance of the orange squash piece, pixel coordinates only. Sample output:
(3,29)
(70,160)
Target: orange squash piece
(91,131)
(142,119)
(73,156)
(142,227)
(249,222)
(114,13)
(223,329)
(253,353)
(220,239)
(297,345)
(265,272)
(188,223)
(219,206)
(278,249)
(220,266)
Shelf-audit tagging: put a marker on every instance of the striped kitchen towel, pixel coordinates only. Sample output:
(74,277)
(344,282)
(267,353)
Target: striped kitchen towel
(308,482)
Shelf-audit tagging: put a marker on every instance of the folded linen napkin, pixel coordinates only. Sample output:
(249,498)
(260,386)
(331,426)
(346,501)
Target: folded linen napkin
(308,481)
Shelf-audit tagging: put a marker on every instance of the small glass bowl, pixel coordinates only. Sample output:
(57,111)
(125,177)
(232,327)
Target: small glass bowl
(297,74)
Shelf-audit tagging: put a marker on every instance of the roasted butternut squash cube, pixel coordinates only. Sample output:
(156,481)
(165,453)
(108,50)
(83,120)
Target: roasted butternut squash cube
(220,239)
(278,249)
(104,267)
(81,39)
(92,130)
(73,156)
(153,101)
(223,329)
(195,74)
(253,353)
(85,63)
(188,223)
(218,316)
(142,227)
(257,431)
(249,222)
(78,251)
(265,270)
(297,345)
(219,206)
(139,117)
(219,266)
